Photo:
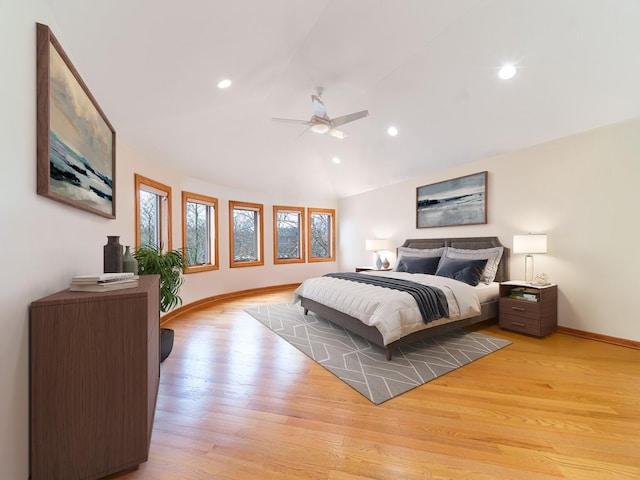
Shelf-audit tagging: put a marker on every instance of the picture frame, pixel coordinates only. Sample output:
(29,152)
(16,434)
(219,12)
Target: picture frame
(76,143)
(459,201)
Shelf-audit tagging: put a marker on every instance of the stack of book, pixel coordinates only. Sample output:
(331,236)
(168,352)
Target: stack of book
(524,293)
(103,282)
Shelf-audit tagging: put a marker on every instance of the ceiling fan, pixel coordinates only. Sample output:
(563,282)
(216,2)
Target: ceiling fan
(320,121)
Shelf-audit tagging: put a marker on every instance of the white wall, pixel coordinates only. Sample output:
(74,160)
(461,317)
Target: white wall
(581,190)
(225,279)
(44,242)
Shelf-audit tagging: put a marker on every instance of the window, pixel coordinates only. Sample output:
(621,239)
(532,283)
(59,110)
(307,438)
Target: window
(288,234)
(322,237)
(152,213)
(200,232)
(245,230)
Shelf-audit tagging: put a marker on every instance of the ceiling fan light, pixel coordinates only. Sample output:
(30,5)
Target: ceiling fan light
(320,128)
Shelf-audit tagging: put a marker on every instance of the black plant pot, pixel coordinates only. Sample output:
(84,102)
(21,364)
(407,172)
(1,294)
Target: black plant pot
(166,343)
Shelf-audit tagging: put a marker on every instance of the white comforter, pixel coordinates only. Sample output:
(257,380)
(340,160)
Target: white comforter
(394,313)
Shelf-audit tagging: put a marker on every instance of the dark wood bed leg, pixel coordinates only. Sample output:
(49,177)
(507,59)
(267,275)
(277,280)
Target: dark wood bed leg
(306,310)
(389,353)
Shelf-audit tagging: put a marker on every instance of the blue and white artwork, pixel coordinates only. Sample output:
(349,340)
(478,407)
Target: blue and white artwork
(460,201)
(81,157)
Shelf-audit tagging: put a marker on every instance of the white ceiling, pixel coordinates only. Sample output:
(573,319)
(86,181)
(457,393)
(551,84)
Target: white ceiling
(428,67)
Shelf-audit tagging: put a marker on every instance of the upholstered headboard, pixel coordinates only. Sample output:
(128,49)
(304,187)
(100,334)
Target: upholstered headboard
(470,243)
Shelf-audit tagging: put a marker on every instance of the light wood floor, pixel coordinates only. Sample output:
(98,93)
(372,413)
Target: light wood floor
(238,402)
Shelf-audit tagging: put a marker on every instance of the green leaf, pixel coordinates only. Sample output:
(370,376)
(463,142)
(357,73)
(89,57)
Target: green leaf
(169,265)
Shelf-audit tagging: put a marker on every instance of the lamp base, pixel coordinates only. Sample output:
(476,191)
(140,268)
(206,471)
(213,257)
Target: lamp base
(528,268)
(378,261)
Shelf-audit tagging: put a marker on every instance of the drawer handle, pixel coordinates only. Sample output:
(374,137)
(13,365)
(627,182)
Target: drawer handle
(518,324)
(520,309)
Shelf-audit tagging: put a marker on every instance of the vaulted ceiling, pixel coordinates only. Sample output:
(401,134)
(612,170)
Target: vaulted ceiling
(428,67)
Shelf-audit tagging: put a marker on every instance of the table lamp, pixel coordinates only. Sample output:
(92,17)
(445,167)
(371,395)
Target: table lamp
(377,245)
(529,244)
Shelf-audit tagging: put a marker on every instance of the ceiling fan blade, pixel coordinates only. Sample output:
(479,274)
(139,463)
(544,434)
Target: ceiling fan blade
(336,122)
(303,132)
(291,120)
(318,107)
(334,132)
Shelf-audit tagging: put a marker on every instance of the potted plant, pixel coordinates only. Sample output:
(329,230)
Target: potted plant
(153,261)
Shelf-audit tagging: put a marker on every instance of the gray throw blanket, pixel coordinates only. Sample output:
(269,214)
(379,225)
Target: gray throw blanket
(431,301)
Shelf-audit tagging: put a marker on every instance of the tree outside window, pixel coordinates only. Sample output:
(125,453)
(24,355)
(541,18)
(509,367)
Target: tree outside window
(246,232)
(288,235)
(152,213)
(322,238)
(199,231)
(149,218)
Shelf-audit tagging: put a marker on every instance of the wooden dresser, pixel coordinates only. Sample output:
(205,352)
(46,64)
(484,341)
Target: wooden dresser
(94,369)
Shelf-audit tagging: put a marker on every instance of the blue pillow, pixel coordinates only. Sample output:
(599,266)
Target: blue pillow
(427,265)
(467,271)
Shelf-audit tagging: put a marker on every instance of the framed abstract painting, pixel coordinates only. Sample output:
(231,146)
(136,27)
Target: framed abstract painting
(459,201)
(76,144)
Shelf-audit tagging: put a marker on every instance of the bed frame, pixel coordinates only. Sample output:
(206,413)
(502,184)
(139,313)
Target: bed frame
(488,310)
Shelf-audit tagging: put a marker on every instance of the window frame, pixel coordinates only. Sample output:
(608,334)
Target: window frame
(301,237)
(321,211)
(158,189)
(258,207)
(211,203)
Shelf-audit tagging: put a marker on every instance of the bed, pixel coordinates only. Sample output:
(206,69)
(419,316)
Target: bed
(316,295)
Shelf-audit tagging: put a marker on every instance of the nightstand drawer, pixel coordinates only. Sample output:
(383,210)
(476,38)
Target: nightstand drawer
(520,324)
(521,308)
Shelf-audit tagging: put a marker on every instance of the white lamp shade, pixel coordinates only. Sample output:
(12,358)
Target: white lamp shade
(377,245)
(529,244)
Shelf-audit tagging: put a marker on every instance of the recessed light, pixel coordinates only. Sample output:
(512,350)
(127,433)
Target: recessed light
(335,160)
(224,83)
(393,131)
(507,72)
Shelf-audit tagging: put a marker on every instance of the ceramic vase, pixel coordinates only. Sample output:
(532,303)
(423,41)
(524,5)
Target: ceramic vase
(129,262)
(113,255)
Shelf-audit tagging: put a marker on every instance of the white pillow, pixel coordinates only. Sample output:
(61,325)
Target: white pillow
(493,256)
(417,252)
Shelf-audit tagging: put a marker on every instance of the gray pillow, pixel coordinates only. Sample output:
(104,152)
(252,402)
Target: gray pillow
(467,271)
(417,252)
(427,265)
(492,255)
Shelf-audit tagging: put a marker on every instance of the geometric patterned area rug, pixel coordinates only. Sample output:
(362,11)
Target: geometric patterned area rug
(363,365)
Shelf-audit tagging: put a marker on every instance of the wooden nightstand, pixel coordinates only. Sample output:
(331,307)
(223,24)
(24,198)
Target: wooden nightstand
(537,316)
(367,269)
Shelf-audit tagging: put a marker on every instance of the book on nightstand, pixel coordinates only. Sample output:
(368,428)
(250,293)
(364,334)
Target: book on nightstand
(524,293)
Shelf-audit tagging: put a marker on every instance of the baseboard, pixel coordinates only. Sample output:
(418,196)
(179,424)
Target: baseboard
(622,342)
(204,302)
